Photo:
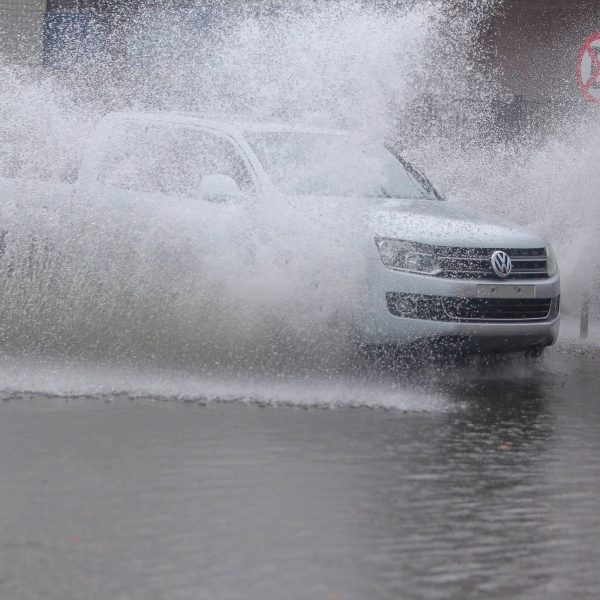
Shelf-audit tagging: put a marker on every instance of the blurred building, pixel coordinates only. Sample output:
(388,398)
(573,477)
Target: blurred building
(21,25)
(536,49)
(537,44)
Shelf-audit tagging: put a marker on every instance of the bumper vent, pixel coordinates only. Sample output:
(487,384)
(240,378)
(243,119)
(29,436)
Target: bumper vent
(440,308)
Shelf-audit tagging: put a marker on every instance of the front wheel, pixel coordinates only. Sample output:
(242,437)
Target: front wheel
(535,352)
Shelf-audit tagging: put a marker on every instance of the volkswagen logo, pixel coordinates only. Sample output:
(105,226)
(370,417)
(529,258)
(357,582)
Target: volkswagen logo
(501,264)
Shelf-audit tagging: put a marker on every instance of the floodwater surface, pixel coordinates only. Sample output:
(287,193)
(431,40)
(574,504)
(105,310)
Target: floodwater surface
(492,491)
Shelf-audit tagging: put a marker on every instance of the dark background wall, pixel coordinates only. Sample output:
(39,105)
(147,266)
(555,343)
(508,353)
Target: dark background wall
(537,45)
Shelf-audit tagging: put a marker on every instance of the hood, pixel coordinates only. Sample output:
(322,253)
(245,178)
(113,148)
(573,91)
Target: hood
(431,222)
(443,224)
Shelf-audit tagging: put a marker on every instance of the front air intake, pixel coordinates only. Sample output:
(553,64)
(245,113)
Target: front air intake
(441,308)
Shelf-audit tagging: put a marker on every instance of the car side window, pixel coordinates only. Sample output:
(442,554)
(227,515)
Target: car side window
(129,158)
(194,154)
(169,160)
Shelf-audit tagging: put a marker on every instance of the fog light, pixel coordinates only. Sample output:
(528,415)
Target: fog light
(406,306)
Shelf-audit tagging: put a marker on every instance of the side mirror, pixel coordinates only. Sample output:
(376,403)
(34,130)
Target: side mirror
(442,192)
(218,188)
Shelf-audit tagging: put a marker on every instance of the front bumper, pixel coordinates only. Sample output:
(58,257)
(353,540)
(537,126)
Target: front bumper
(379,326)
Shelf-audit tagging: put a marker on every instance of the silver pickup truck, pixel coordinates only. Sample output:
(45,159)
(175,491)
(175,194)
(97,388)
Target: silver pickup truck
(429,269)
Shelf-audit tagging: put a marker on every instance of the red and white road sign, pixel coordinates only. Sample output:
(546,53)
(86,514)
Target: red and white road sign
(588,68)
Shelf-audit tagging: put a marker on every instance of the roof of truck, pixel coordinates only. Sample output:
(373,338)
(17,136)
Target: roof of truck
(228,122)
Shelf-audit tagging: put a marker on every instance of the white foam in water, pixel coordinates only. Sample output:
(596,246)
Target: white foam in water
(88,275)
(34,378)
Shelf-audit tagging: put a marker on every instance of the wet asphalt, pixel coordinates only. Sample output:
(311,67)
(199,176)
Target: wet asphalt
(490,492)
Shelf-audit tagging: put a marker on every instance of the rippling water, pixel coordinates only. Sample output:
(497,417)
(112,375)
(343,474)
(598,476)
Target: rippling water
(490,491)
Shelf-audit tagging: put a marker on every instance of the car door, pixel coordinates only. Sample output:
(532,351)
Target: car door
(151,178)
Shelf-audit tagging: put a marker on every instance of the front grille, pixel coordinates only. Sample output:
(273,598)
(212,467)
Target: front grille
(440,308)
(475,263)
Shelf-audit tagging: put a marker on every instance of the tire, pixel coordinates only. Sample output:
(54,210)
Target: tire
(535,352)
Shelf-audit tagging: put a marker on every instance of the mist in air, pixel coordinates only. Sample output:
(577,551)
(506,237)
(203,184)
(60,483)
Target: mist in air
(265,288)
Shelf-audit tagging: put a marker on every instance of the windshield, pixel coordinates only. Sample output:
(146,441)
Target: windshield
(317,164)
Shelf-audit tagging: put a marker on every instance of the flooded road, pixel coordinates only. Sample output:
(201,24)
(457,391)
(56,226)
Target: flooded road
(202,428)
(492,491)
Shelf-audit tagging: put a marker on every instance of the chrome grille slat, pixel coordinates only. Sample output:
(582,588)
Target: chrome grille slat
(473,272)
(530,259)
(482,258)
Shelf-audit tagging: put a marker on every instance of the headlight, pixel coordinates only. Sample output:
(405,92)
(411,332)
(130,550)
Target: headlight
(408,256)
(551,263)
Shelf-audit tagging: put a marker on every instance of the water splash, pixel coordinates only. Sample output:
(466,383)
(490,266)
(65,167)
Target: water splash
(85,278)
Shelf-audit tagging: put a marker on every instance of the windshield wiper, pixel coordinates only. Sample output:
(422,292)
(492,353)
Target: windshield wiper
(385,193)
(416,175)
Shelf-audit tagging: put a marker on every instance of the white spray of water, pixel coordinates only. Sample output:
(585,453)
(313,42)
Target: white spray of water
(134,276)
(546,182)
(176,286)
